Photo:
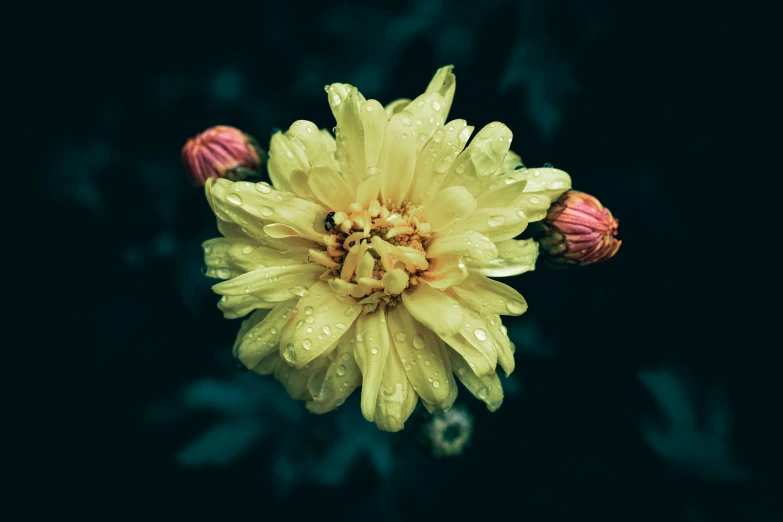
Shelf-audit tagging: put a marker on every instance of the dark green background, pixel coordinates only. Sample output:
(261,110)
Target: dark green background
(623,97)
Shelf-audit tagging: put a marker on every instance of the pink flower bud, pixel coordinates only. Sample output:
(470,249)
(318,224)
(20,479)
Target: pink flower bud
(578,230)
(221,152)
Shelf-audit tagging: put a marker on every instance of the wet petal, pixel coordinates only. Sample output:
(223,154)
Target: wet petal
(374,121)
(330,388)
(445,271)
(501,193)
(472,246)
(371,352)
(444,83)
(305,135)
(486,388)
(295,380)
(426,113)
(434,309)
(230,257)
(396,397)
(548,182)
(368,189)
(503,345)
(490,296)
(255,205)
(346,101)
(236,306)
(498,224)
(420,353)
(330,189)
(315,327)
(447,207)
(476,164)
(398,158)
(396,106)
(436,158)
(262,337)
(273,284)
(515,256)
(284,158)
(535,206)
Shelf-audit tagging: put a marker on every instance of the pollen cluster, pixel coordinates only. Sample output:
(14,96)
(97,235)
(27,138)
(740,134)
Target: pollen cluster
(374,252)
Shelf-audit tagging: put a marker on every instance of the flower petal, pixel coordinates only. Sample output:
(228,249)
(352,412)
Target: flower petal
(368,189)
(284,158)
(498,224)
(262,338)
(435,159)
(374,122)
(445,271)
(535,206)
(396,396)
(487,388)
(490,296)
(295,380)
(503,344)
(254,205)
(396,106)
(300,185)
(398,158)
(548,182)
(434,309)
(305,135)
(420,353)
(340,379)
(426,113)
(470,245)
(485,153)
(345,101)
(273,284)
(444,83)
(322,317)
(515,256)
(501,193)
(447,207)
(230,257)
(236,306)
(330,188)
(371,353)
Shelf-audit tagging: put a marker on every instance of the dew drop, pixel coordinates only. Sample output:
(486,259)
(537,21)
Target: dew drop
(418,341)
(436,106)
(263,188)
(462,371)
(266,211)
(374,351)
(308,310)
(341,370)
(327,330)
(307,343)
(480,334)
(341,326)
(427,362)
(246,250)
(496,221)
(301,291)
(400,337)
(368,107)
(483,394)
(273,331)
(223,273)
(234,198)
(533,199)
(436,383)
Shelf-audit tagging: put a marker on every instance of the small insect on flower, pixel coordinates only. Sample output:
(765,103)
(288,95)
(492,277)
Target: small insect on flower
(329,221)
(367,263)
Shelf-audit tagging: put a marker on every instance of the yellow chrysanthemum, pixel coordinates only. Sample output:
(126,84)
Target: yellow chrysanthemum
(367,261)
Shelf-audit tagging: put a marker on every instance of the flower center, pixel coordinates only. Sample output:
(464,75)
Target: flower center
(375,252)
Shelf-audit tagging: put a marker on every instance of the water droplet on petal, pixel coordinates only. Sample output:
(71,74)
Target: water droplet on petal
(266,211)
(436,383)
(374,351)
(462,371)
(246,250)
(327,330)
(235,199)
(308,310)
(400,337)
(341,326)
(341,370)
(496,221)
(307,343)
(263,188)
(418,341)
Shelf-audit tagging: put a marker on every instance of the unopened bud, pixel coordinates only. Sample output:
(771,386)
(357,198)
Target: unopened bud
(222,152)
(578,230)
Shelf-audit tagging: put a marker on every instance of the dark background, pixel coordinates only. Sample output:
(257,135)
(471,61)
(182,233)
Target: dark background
(631,400)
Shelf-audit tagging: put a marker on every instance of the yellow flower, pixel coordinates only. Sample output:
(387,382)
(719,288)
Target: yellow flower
(366,262)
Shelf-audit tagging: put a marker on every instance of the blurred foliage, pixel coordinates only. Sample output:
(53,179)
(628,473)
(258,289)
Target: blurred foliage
(619,408)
